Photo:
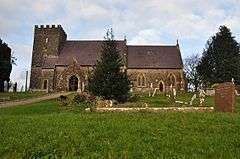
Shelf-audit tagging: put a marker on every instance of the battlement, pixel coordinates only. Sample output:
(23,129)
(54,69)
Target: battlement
(47,26)
(40,29)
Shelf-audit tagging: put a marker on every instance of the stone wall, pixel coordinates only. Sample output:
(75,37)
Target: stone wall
(35,82)
(58,78)
(64,73)
(48,40)
(156,76)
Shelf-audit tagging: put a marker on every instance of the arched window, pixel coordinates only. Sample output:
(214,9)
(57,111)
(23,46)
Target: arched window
(141,80)
(172,80)
(161,86)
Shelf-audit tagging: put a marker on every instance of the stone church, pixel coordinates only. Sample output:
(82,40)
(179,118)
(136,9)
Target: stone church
(59,64)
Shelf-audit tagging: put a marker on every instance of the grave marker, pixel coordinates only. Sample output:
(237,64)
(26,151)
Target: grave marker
(225,97)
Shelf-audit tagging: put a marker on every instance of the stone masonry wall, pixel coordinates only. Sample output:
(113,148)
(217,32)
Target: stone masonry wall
(155,76)
(48,41)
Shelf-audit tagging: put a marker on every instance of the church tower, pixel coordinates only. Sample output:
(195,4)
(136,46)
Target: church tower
(48,42)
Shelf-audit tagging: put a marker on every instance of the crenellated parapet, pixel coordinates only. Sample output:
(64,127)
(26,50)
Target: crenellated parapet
(50,28)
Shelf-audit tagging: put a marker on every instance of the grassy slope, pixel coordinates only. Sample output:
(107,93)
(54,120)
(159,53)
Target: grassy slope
(19,95)
(163,101)
(43,130)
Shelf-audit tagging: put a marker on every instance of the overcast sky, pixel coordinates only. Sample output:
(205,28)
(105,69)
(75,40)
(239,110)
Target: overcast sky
(141,21)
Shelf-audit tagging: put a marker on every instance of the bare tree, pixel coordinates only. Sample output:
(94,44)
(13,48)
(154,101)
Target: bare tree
(190,68)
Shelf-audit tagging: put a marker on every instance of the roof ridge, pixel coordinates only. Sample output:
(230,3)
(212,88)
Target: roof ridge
(152,45)
(89,40)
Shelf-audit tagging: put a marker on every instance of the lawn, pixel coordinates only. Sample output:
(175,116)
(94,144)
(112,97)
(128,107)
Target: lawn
(9,96)
(46,130)
(161,100)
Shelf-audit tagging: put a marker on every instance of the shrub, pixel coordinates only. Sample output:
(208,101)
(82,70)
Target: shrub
(63,100)
(133,98)
(79,98)
(215,85)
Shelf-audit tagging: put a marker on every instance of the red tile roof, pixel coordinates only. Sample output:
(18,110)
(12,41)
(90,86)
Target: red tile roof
(154,57)
(87,53)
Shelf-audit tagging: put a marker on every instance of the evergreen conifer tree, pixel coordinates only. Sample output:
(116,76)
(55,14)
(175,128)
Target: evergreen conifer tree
(5,64)
(221,60)
(108,79)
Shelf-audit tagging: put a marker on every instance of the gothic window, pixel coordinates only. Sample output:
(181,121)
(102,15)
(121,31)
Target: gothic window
(161,86)
(45,84)
(141,80)
(172,79)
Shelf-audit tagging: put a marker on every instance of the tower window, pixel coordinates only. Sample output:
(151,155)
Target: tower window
(46,40)
(45,84)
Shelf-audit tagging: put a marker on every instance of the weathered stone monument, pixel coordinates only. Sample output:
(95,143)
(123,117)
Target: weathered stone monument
(192,99)
(5,86)
(225,97)
(202,95)
(15,87)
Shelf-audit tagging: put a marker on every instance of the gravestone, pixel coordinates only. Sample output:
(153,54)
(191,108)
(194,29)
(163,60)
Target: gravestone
(225,97)
(5,86)
(192,99)
(202,95)
(15,87)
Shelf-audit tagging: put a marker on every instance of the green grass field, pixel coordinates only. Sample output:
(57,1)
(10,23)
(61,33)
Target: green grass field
(161,100)
(9,96)
(46,130)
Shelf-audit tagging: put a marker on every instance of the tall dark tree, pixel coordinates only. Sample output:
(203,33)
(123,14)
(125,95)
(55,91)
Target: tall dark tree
(221,60)
(5,64)
(109,79)
(190,68)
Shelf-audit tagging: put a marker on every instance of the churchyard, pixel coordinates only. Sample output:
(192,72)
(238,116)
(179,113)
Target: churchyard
(48,129)
(96,117)
(10,96)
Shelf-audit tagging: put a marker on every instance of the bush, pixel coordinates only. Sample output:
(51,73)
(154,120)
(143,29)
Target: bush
(133,98)
(215,85)
(63,100)
(79,98)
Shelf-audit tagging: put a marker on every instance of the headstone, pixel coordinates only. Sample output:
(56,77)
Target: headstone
(15,87)
(225,97)
(192,99)
(202,95)
(5,86)
(174,93)
(210,92)
(104,103)
(154,92)
(83,86)
(150,90)
(22,89)
(182,86)
(131,88)
(236,92)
